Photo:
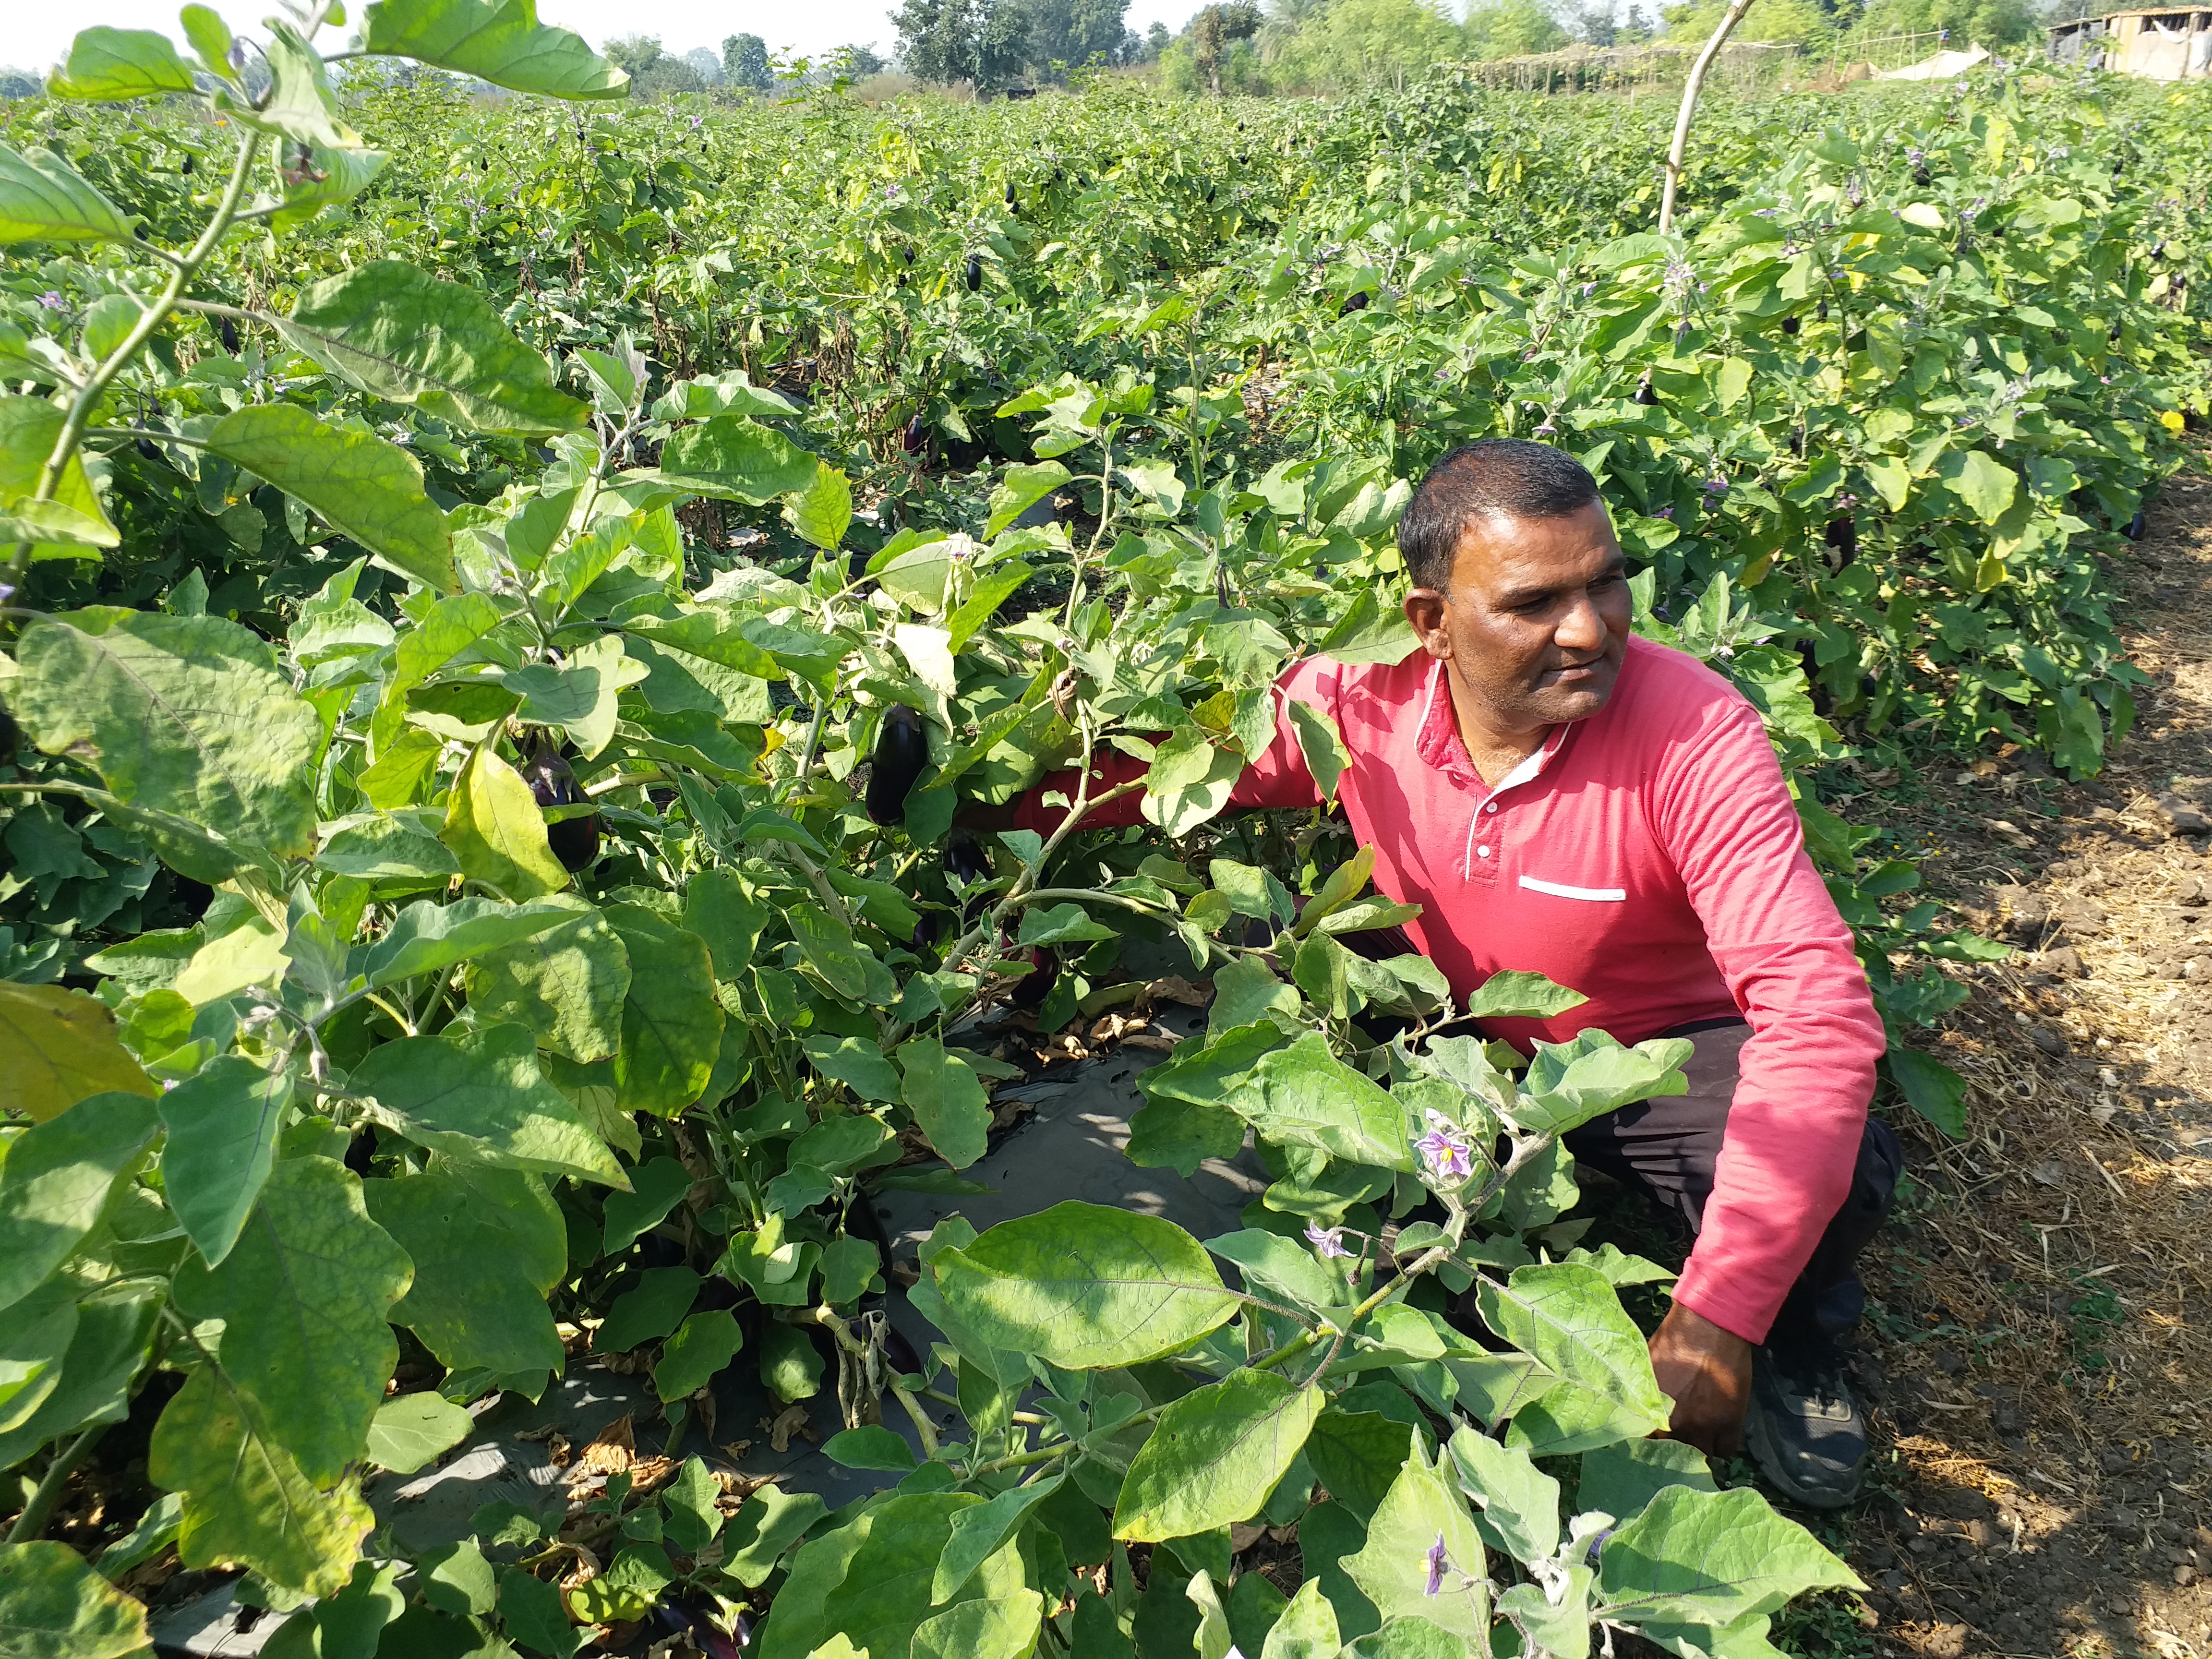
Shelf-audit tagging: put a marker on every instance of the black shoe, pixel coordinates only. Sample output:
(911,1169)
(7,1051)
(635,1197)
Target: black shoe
(1804,1429)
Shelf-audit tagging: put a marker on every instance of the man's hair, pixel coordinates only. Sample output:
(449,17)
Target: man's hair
(1496,477)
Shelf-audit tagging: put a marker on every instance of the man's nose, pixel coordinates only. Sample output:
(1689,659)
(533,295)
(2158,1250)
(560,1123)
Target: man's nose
(1580,628)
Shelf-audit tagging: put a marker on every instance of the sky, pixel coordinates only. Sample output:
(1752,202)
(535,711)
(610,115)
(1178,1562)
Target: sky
(39,36)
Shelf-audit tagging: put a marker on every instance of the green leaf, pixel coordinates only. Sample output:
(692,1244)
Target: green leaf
(105,65)
(649,1310)
(767,1524)
(246,1500)
(1303,1096)
(671,1025)
(1281,1267)
(488,1246)
(1002,1627)
(1421,1509)
(223,1124)
(1085,1287)
(1062,924)
(56,1179)
(1322,745)
(870,1580)
(1022,488)
(979,1533)
(1214,1456)
(1189,782)
(1176,1134)
(859,1066)
(456,1578)
(188,715)
(428,938)
(1568,1084)
(702,1345)
(305,1297)
(1731,379)
(99,1367)
(716,908)
(949,1101)
(29,428)
(734,459)
(476,1096)
(33,1344)
(403,335)
(1516,1504)
(1620,1479)
(54,1606)
(1985,486)
(822,512)
(1712,1558)
(1518,994)
(358,484)
(1246,993)
(42,200)
(568,985)
(656,1188)
(1570,1321)
(500,42)
(872,1447)
(530,1611)
(411,1430)
(1307,1629)
(495,830)
(1932,1089)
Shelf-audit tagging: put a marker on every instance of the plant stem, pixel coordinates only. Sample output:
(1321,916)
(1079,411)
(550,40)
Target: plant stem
(32,1521)
(1690,90)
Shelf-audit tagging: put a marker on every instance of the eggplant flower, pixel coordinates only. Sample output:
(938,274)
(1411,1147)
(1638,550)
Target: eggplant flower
(1330,1241)
(1445,1150)
(1435,1561)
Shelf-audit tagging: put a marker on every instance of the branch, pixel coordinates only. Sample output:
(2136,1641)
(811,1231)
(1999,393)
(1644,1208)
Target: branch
(1690,90)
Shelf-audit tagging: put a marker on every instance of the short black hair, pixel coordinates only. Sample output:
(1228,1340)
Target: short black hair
(1502,477)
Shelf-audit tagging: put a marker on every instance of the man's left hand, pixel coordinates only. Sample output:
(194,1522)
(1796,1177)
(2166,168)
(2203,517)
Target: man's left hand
(1706,1372)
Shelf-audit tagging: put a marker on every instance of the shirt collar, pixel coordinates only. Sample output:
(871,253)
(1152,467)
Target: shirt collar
(1439,746)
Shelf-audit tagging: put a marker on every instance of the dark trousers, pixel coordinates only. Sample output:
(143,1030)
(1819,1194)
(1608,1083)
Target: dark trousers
(1668,1149)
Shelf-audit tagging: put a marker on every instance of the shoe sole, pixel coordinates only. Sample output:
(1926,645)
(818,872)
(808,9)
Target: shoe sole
(1764,1454)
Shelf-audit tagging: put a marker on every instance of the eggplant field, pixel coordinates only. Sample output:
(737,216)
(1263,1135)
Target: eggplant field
(520,604)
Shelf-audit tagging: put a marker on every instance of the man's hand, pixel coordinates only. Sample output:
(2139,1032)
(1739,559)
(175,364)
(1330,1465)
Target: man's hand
(1706,1372)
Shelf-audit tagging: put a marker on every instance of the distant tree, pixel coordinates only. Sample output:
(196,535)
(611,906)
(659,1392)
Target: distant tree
(708,65)
(1361,43)
(1594,24)
(20,83)
(1514,29)
(745,63)
(1635,28)
(1076,32)
(653,72)
(1156,42)
(858,62)
(1771,22)
(947,41)
(1214,30)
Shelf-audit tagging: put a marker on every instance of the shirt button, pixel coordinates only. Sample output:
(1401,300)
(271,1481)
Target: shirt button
(1482,852)
(1493,807)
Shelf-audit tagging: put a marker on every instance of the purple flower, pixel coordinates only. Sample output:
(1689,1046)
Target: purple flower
(1445,1149)
(1716,486)
(1546,429)
(1665,512)
(1330,1241)
(1434,1559)
(53,300)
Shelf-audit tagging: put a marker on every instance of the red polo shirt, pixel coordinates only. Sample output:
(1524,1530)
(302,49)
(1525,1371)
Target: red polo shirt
(1649,857)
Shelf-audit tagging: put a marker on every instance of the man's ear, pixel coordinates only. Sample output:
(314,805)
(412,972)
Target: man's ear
(1424,611)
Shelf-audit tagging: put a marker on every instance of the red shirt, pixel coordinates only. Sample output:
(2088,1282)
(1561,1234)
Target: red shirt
(1649,857)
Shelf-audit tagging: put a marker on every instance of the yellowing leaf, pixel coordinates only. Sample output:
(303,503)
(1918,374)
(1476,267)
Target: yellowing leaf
(496,830)
(57,1047)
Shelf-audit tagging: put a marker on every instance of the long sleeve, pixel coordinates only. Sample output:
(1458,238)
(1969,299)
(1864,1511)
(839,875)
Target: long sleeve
(1807,1073)
(1276,777)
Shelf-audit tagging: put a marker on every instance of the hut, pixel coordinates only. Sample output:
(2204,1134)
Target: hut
(2160,43)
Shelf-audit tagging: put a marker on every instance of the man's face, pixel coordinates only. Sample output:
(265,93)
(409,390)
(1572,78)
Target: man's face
(1535,620)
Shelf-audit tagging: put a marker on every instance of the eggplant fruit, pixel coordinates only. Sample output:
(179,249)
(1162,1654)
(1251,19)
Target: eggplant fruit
(227,332)
(10,735)
(146,450)
(1791,324)
(575,840)
(902,752)
(1352,303)
(1821,315)
(916,435)
(974,273)
(2136,525)
(1646,394)
(1842,537)
(1030,991)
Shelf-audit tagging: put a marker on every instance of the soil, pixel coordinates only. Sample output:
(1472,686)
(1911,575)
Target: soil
(2040,1335)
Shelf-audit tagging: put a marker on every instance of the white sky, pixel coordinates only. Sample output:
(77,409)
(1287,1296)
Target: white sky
(39,35)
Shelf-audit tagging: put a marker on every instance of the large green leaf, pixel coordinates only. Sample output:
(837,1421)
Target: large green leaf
(1568,1084)
(871,1580)
(979,1533)
(58,1047)
(360,484)
(1214,1456)
(246,1499)
(72,522)
(54,1606)
(411,1429)
(43,199)
(502,43)
(947,1098)
(188,715)
(426,937)
(56,1179)
(672,1026)
(1422,1513)
(1569,1319)
(222,1123)
(33,1343)
(1085,1287)
(1711,1558)
(702,1346)
(568,984)
(489,1245)
(648,1309)
(734,459)
(305,1297)
(495,828)
(1303,1096)
(404,336)
(476,1096)
(1307,1629)
(105,64)
(1517,1503)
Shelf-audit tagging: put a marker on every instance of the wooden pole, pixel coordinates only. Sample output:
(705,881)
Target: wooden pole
(1697,80)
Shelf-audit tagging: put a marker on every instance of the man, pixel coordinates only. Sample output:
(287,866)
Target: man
(1560,796)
